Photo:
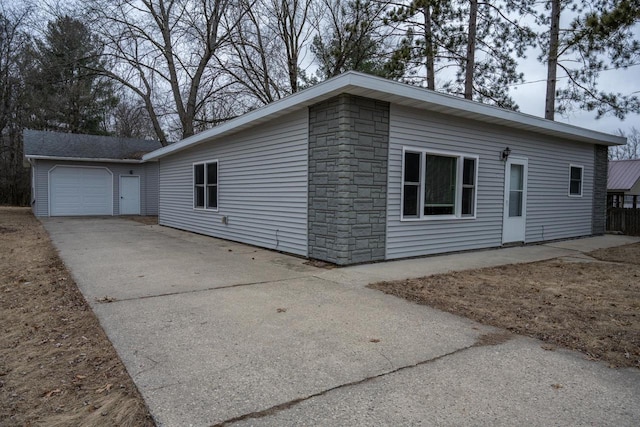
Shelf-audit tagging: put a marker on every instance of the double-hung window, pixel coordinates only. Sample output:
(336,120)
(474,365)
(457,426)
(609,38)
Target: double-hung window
(575,181)
(438,185)
(205,185)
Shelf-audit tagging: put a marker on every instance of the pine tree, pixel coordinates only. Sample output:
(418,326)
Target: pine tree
(477,39)
(486,41)
(423,44)
(67,93)
(600,38)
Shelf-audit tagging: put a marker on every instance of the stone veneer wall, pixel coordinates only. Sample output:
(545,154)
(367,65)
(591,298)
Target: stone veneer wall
(600,172)
(348,155)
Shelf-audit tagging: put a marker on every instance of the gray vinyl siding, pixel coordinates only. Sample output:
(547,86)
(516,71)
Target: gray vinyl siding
(548,208)
(40,201)
(148,181)
(150,192)
(262,186)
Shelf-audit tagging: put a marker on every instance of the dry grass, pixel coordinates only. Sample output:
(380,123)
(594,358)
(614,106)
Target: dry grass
(57,367)
(590,307)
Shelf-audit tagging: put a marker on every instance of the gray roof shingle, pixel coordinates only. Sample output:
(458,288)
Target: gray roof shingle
(58,144)
(623,174)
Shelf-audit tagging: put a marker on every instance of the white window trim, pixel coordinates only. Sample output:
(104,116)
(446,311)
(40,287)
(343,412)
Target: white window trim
(459,173)
(571,166)
(193,185)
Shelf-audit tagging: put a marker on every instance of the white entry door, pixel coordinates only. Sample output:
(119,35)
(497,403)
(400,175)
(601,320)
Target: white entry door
(129,195)
(515,200)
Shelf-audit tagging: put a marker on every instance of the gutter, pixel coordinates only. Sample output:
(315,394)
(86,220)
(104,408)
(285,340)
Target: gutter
(84,159)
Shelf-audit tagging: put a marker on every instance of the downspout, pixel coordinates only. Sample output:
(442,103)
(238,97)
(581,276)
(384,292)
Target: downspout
(33,181)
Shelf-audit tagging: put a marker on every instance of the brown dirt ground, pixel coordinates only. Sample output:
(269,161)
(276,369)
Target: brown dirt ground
(57,367)
(590,307)
(147,220)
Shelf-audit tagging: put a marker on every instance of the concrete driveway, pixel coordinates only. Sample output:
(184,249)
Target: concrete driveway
(214,332)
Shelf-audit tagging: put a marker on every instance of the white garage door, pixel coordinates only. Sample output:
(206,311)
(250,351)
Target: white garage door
(80,191)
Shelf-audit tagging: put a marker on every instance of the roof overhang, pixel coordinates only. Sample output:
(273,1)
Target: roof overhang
(397,93)
(83,159)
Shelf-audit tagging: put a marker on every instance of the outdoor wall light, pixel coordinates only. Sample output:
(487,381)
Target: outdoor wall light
(131,171)
(505,153)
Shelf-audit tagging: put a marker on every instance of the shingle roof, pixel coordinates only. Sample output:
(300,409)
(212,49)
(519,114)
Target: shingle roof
(68,145)
(623,174)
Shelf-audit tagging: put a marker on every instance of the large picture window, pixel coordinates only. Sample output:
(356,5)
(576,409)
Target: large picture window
(438,185)
(205,185)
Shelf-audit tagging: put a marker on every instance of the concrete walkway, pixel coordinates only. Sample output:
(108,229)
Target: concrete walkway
(215,332)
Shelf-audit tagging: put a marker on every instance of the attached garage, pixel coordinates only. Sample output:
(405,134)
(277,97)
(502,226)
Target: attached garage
(75,191)
(83,175)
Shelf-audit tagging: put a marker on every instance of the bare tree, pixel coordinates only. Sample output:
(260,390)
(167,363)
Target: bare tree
(352,37)
(294,30)
(162,50)
(130,119)
(14,177)
(267,47)
(254,57)
(629,151)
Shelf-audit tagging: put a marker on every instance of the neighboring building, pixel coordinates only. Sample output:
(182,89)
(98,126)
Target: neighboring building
(359,169)
(623,184)
(75,174)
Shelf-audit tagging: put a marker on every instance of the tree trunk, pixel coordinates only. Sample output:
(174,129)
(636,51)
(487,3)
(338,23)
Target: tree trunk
(552,61)
(471,50)
(293,72)
(429,50)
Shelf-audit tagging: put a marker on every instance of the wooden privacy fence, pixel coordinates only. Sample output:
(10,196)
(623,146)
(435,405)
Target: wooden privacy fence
(626,221)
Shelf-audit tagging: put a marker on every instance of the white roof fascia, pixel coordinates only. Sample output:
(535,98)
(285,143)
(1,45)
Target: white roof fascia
(392,91)
(84,159)
(483,110)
